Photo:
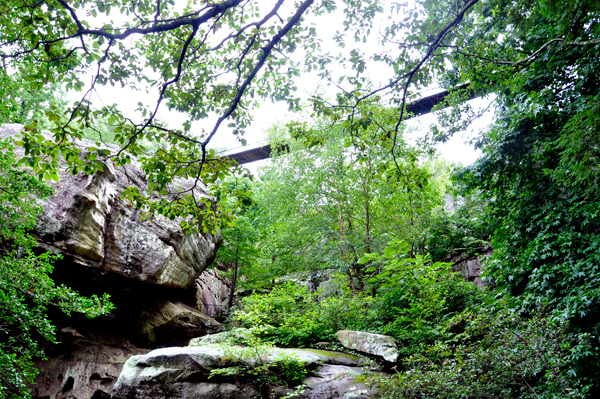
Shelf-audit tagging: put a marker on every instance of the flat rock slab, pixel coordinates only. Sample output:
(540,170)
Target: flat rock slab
(370,343)
(336,382)
(222,337)
(335,358)
(183,372)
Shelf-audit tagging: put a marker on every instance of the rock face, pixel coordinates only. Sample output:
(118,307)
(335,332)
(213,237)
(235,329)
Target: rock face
(88,372)
(212,292)
(172,373)
(87,220)
(471,268)
(337,381)
(373,344)
(174,323)
(183,373)
(86,366)
(148,267)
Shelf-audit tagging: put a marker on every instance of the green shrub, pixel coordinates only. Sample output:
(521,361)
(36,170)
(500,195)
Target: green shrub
(499,355)
(416,297)
(287,316)
(291,371)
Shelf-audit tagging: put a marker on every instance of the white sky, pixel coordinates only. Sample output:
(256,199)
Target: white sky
(455,150)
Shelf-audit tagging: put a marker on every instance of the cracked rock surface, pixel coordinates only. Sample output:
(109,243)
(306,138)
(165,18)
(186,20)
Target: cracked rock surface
(87,220)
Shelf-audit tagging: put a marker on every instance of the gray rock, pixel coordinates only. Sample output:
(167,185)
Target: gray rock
(87,221)
(212,292)
(87,372)
(373,344)
(336,358)
(178,373)
(471,268)
(336,382)
(222,337)
(174,323)
(184,372)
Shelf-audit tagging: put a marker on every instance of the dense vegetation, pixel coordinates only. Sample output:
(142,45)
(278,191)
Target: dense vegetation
(346,196)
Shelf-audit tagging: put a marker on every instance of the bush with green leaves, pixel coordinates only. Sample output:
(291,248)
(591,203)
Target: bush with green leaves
(26,288)
(288,316)
(253,363)
(21,103)
(416,297)
(498,355)
(291,315)
(466,229)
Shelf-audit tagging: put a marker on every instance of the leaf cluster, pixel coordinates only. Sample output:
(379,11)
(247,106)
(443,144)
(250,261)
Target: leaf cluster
(499,354)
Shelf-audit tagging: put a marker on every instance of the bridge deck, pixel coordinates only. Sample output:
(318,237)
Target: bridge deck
(421,106)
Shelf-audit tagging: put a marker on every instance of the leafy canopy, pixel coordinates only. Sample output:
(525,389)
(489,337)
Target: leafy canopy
(202,60)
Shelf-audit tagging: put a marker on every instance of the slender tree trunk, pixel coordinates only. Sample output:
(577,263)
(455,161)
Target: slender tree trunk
(341,244)
(351,280)
(367,217)
(235,275)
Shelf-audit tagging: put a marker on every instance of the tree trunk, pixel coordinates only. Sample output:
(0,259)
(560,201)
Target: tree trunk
(235,276)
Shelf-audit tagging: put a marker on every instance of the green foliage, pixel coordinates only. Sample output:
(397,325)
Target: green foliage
(538,169)
(414,300)
(416,297)
(291,370)
(325,205)
(499,354)
(286,316)
(26,289)
(464,230)
(290,315)
(253,362)
(240,251)
(21,103)
(169,53)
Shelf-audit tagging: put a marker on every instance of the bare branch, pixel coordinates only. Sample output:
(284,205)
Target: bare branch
(266,52)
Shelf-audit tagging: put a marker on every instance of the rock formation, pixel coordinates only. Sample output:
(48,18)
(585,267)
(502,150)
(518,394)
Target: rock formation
(212,292)
(370,343)
(148,267)
(471,268)
(184,373)
(87,220)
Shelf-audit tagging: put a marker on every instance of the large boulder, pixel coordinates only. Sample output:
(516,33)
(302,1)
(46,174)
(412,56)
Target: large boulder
(370,343)
(184,372)
(178,373)
(87,220)
(167,323)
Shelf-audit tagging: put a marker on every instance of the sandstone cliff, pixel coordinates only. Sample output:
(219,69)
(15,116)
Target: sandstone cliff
(149,268)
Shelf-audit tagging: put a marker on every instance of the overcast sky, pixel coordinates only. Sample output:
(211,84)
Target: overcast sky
(268,114)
